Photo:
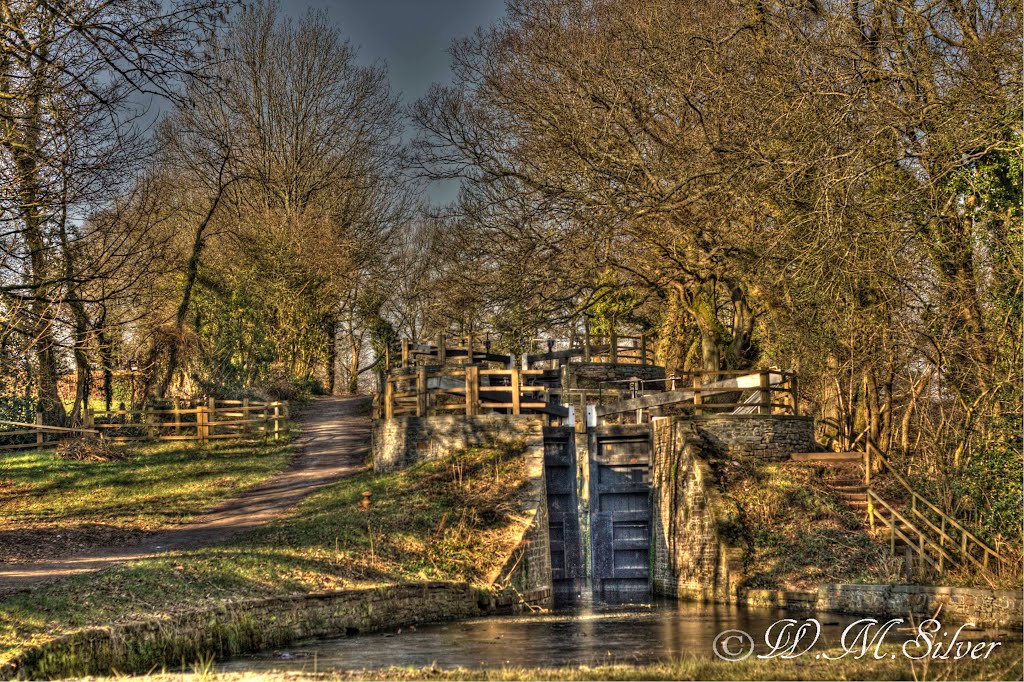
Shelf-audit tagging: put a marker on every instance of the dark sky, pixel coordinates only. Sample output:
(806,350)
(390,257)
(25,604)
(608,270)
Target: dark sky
(411,36)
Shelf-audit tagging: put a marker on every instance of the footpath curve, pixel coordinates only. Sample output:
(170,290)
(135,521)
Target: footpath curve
(333,442)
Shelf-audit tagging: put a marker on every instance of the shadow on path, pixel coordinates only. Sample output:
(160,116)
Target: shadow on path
(333,442)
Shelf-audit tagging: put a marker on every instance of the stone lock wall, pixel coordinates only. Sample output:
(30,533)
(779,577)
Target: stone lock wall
(525,579)
(691,560)
(767,436)
(401,441)
(984,608)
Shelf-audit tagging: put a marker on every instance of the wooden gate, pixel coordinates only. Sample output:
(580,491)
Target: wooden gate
(620,514)
(563,514)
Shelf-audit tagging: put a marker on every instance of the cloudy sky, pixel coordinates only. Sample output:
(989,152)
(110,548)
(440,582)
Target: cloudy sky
(412,36)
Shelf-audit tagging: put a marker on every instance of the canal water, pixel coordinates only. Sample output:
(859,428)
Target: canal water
(599,635)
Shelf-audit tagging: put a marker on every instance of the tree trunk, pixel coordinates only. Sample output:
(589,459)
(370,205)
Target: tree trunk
(41,310)
(699,301)
(332,355)
(741,351)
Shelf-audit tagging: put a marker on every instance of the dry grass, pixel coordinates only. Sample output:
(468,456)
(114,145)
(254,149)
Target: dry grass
(796,532)
(89,449)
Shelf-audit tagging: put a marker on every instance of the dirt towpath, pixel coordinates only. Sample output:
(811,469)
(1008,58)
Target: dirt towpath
(333,442)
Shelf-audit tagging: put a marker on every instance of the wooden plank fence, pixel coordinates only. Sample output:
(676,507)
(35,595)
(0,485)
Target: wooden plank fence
(469,390)
(630,349)
(202,421)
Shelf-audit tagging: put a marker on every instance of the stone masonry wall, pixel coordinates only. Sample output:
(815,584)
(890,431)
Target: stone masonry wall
(403,440)
(691,560)
(589,375)
(984,608)
(771,437)
(525,579)
(246,626)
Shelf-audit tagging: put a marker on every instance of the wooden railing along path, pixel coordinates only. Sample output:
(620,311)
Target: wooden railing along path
(771,391)
(625,349)
(201,421)
(937,539)
(423,391)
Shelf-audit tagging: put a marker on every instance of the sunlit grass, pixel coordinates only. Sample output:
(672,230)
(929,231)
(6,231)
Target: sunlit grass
(156,485)
(452,519)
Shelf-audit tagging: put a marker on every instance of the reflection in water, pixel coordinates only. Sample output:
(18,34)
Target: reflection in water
(633,634)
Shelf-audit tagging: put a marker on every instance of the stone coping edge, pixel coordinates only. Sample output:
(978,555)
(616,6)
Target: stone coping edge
(981,606)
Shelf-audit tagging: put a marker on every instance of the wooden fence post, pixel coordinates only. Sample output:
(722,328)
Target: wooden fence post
(277,421)
(39,431)
(405,352)
(202,430)
(698,399)
(421,391)
(794,394)
(441,352)
(211,416)
(643,349)
(613,345)
(472,390)
(764,395)
(389,398)
(246,427)
(516,398)
(176,406)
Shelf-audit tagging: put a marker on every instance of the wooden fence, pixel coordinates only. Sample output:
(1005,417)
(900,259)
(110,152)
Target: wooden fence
(616,349)
(769,391)
(468,350)
(200,421)
(468,390)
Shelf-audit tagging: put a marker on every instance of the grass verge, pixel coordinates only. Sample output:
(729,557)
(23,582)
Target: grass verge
(52,507)
(449,519)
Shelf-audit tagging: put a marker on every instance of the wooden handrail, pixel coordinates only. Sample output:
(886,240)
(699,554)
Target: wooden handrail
(922,537)
(425,390)
(873,452)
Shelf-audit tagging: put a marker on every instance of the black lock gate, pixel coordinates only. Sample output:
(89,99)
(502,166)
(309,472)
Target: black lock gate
(563,523)
(620,514)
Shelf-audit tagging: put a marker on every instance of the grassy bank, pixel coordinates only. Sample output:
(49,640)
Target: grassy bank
(51,506)
(796,533)
(452,519)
